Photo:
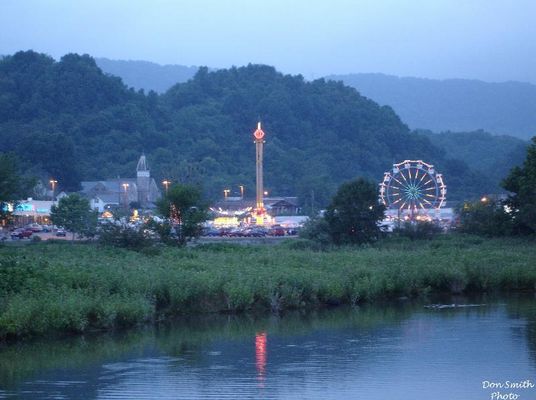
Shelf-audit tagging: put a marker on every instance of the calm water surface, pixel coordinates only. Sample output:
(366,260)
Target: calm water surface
(397,351)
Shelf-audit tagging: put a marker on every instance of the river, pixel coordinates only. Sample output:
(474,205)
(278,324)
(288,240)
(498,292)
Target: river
(399,350)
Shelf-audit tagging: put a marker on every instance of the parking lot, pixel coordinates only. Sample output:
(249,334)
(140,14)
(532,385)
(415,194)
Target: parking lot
(5,236)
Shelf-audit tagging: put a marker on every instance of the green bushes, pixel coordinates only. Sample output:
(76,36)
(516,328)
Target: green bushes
(76,288)
(418,230)
(122,235)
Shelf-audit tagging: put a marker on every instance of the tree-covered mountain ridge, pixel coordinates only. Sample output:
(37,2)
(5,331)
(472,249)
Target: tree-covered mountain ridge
(506,108)
(69,120)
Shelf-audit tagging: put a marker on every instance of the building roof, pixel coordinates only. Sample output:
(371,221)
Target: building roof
(237,203)
(110,185)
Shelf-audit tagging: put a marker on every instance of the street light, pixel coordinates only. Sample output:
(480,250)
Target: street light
(166,184)
(484,199)
(241,190)
(226,193)
(53,183)
(125,187)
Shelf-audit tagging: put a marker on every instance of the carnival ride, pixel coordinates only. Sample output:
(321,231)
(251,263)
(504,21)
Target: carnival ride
(412,188)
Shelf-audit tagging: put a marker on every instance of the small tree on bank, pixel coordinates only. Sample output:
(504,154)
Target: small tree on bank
(74,214)
(12,185)
(522,183)
(485,217)
(184,209)
(354,213)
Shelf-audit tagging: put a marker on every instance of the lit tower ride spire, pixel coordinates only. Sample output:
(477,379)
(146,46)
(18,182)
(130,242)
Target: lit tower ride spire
(259,144)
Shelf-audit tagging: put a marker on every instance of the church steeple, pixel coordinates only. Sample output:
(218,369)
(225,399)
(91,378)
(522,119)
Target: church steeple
(142,164)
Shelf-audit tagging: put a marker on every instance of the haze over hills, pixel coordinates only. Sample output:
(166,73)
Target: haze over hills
(507,108)
(147,75)
(69,120)
(491,155)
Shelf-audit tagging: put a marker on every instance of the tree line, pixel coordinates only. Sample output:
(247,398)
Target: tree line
(68,120)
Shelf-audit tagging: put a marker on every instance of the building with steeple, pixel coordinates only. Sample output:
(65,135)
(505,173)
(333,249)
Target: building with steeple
(124,191)
(143,181)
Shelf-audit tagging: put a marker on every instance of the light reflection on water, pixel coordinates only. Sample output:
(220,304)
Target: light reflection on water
(389,352)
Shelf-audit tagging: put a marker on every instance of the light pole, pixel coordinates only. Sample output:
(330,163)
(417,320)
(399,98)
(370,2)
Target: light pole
(166,184)
(226,193)
(241,191)
(125,187)
(53,183)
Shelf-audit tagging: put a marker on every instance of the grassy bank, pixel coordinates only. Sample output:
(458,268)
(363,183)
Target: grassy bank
(79,287)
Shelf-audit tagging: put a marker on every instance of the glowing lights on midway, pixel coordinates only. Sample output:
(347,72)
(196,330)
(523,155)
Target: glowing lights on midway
(413,185)
(259,133)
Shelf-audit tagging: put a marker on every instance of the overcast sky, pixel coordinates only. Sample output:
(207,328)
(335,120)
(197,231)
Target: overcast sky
(492,40)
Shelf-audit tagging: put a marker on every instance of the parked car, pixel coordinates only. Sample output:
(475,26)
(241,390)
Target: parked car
(211,232)
(254,232)
(61,233)
(21,233)
(35,227)
(276,231)
(47,228)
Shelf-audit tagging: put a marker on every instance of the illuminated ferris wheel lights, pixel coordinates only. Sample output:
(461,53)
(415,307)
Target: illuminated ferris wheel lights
(417,186)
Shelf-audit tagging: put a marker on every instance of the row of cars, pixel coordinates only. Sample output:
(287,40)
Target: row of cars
(27,231)
(255,231)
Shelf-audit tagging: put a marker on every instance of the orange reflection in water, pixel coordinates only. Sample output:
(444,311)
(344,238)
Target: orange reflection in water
(260,356)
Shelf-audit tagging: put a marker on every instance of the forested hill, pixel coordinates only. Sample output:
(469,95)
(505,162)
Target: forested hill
(439,105)
(489,154)
(69,120)
(147,75)
(507,108)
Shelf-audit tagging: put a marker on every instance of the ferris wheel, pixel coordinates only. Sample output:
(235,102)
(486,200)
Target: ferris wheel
(413,185)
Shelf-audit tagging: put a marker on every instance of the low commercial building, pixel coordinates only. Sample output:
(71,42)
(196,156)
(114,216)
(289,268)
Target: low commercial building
(29,211)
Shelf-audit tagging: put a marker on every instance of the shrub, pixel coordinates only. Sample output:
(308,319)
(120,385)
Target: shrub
(36,239)
(418,230)
(485,217)
(316,230)
(118,234)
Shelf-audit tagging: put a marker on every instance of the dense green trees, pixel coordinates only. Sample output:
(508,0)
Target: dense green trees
(486,217)
(9,178)
(491,157)
(183,207)
(515,215)
(69,121)
(12,185)
(354,213)
(522,183)
(74,214)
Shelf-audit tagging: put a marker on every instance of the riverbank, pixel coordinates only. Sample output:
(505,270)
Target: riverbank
(73,288)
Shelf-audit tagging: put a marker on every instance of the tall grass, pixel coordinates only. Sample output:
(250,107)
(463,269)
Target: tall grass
(76,288)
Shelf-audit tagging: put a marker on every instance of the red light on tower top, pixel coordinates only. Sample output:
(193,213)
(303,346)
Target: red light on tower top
(259,133)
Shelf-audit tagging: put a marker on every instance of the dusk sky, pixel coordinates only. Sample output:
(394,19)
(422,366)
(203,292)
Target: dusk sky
(492,40)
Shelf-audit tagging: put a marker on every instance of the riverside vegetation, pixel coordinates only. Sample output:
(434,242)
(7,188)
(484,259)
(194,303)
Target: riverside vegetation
(74,288)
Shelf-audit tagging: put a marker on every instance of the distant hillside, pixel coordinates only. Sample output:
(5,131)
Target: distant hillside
(489,154)
(68,120)
(507,108)
(147,75)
